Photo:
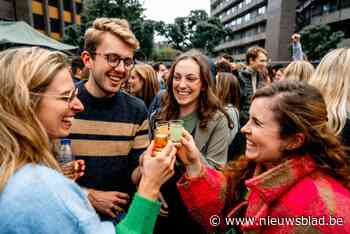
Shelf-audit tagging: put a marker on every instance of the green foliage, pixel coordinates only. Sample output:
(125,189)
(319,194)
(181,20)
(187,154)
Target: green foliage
(164,54)
(318,41)
(130,10)
(197,30)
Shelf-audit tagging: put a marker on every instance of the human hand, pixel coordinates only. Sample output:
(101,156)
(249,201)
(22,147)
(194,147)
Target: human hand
(74,169)
(156,170)
(189,154)
(296,37)
(109,203)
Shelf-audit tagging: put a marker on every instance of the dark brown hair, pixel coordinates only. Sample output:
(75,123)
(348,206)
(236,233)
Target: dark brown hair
(209,104)
(299,108)
(223,66)
(227,89)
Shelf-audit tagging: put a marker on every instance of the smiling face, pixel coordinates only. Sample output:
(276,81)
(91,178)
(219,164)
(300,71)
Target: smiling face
(259,63)
(54,112)
(262,132)
(135,84)
(106,80)
(187,85)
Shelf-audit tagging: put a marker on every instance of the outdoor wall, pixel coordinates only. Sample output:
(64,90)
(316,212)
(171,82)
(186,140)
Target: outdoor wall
(6,10)
(280,26)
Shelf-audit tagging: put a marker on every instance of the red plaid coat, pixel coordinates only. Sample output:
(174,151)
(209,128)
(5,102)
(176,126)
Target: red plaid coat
(293,197)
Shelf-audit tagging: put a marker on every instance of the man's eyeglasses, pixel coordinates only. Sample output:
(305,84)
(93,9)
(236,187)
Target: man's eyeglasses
(65,97)
(114,60)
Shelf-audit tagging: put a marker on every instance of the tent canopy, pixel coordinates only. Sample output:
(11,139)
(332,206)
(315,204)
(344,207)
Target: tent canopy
(21,33)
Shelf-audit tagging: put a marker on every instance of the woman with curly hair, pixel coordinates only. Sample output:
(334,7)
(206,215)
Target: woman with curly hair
(294,166)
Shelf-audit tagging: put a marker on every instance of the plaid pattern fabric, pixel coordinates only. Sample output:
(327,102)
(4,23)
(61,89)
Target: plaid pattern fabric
(293,189)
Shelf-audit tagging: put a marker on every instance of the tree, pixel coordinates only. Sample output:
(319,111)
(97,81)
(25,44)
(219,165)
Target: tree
(164,54)
(318,41)
(130,10)
(197,30)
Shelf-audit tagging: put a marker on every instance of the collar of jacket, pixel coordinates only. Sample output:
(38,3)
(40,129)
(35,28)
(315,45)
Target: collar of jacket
(270,185)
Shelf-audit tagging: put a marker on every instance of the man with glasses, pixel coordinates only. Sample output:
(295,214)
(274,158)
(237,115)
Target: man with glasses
(112,131)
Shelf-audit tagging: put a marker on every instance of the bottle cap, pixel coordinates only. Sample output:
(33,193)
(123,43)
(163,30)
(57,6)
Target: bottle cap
(65,141)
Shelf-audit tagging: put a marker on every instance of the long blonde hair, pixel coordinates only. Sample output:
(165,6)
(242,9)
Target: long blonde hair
(299,70)
(332,78)
(23,137)
(150,82)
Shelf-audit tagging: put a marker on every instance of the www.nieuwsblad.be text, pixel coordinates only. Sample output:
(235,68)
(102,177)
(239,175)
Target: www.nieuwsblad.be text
(215,221)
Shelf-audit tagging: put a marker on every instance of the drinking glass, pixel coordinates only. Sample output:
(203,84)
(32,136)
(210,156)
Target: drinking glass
(176,130)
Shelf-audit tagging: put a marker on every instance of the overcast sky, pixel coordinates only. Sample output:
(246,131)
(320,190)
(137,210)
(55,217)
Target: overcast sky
(168,10)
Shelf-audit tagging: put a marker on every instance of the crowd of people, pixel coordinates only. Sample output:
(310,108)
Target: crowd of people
(260,141)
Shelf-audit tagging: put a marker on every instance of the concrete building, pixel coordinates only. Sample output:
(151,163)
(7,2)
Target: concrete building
(265,23)
(47,16)
(270,23)
(335,13)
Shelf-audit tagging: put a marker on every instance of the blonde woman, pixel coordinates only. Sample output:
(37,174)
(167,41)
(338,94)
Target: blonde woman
(332,78)
(37,105)
(143,83)
(298,70)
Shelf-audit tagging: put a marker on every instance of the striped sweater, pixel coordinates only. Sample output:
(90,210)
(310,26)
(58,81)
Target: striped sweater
(110,135)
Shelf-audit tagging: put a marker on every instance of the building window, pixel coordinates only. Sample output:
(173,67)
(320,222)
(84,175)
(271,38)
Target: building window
(247,17)
(53,3)
(79,7)
(67,5)
(345,3)
(55,25)
(39,22)
(240,5)
(262,10)
(248,2)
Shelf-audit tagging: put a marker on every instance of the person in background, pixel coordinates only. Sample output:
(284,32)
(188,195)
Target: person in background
(299,70)
(223,66)
(190,97)
(290,152)
(38,102)
(112,132)
(332,78)
(229,59)
(297,49)
(279,75)
(162,72)
(228,91)
(77,67)
(251,78)
(273,69)
(143,83)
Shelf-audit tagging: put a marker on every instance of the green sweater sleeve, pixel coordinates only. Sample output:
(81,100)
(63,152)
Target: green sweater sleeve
(141,217)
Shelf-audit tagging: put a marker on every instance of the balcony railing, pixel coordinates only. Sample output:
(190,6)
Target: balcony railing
(225,5)
(250,23)
(245,8)
(340,15)
(240,42)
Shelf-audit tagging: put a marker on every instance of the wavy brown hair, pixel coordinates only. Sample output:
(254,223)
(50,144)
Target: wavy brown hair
(150,86)
(23,138)
(208,105)
(298,108)
(228,89)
